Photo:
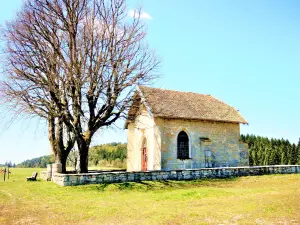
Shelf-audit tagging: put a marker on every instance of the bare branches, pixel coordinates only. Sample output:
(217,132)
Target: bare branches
(76,61)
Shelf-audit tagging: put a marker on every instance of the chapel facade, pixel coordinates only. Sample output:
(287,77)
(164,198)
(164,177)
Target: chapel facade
(172,130)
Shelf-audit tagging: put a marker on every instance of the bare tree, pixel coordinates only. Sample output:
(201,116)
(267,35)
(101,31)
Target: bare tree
(75,63)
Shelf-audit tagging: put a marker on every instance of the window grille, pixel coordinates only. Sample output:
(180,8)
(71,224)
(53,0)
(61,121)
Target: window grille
(208,158)
(182,146)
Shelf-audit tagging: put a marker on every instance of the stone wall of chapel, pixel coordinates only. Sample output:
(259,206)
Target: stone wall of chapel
(223,144)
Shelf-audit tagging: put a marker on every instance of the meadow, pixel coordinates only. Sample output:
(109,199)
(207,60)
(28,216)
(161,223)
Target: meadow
(270,199)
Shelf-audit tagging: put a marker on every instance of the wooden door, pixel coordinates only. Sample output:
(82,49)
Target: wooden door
(144,159)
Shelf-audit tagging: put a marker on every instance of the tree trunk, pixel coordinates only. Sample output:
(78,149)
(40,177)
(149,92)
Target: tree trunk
(83,148)
(55,134)
(83,162)
(62,159)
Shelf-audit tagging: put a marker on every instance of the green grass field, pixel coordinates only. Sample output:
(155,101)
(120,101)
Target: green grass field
(273,199)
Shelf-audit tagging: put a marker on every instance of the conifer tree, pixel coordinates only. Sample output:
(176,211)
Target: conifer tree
(298,152)
(264,151)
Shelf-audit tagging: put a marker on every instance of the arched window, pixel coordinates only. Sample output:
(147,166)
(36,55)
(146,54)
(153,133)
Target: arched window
(182,146)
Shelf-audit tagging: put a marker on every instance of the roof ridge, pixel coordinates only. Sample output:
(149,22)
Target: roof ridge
(164,89)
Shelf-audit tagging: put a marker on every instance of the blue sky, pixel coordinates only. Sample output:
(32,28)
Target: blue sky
(246,53)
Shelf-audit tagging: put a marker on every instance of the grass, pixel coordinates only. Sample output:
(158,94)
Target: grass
(272,199)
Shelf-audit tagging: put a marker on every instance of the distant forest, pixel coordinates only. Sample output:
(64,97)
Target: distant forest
(262,151)
(265,151)
(109,155)
(40,162)
(105,155)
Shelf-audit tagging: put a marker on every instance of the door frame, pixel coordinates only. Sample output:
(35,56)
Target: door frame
(144,156)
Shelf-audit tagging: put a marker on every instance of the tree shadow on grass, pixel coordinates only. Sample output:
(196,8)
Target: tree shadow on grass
(101,187)
(164,184)
(125,186)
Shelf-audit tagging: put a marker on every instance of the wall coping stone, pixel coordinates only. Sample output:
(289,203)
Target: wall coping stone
(187,174)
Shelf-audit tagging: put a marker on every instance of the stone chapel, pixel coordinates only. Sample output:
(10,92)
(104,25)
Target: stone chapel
(173,130)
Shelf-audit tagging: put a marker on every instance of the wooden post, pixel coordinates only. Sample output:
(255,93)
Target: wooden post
(4,173)
(8,172)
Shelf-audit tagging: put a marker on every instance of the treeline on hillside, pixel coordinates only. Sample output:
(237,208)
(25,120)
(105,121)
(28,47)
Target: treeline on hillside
(40,162)
(265,151)
(104,155)
(107,155)
(112,154)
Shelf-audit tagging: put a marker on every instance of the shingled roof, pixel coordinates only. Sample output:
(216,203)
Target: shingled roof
(184,105)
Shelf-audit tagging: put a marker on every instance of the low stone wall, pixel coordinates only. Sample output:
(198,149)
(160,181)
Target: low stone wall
(43,175)
(222,172)
(46,175)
